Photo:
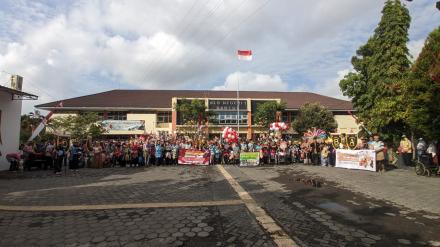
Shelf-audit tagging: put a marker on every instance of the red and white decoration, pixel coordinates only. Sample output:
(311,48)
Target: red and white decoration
(43,123)
(244,55)
(230,135)
(277,126)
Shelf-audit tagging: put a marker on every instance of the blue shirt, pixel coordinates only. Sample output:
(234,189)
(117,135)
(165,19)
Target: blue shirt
(158,153)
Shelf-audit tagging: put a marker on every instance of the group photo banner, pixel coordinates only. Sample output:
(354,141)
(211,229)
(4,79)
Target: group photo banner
(193,157)
(356,159)
(129,125)
(249,158)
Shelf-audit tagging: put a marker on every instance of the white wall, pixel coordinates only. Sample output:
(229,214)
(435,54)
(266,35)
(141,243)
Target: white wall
(346,124)
(10,127)
(150,121)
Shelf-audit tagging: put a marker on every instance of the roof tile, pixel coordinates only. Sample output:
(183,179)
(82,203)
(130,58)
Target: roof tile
(162,98)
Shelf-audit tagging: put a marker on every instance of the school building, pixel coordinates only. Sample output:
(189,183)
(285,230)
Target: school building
(136,112)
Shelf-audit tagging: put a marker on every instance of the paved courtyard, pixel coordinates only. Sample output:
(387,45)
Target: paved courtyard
(219,206)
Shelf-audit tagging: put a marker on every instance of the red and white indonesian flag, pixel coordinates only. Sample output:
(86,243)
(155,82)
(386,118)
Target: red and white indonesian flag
(244,55)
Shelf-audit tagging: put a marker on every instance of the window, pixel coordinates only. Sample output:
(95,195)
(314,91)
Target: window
(116,115)
(285,117)
(163,117)
(229,117)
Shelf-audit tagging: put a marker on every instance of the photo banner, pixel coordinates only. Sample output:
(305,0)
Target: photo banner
(249,158)
(127,125)
(193,157)
(356,159)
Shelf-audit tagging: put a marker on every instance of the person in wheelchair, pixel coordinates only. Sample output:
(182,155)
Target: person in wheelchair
(432,150)
(427,163)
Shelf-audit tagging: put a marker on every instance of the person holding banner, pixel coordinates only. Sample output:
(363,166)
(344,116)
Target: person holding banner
(362,145)
(378,146)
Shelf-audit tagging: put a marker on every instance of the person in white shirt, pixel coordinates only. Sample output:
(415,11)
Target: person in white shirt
(421,148)
(378,146)
(432,149)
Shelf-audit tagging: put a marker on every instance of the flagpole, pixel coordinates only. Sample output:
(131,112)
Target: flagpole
(242,55)
(238,103)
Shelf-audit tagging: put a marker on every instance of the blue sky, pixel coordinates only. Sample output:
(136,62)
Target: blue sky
(72,48)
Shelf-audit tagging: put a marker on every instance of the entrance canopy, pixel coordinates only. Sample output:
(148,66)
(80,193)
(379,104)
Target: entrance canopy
(18,95)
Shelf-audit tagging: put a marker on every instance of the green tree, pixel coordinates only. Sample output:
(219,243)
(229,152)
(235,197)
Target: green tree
(381,68)
(193,113)
(266,113)
(28,122)
(314,115)
(422,91)
(79,126)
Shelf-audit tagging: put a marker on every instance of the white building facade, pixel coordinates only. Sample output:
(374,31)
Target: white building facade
(10,116)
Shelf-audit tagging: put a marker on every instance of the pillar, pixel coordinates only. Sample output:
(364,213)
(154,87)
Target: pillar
(173,116)
(173,122)
(249,125)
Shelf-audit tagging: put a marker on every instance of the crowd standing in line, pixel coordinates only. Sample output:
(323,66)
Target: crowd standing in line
(164,150)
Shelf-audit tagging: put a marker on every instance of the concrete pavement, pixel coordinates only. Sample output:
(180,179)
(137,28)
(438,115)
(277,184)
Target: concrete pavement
(197,206)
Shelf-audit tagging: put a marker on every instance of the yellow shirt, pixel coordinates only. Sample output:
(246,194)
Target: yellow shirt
(406,146)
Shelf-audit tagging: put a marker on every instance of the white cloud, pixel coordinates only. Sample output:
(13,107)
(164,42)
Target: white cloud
(71,48)
(248,81)
(415,47)
(331,87)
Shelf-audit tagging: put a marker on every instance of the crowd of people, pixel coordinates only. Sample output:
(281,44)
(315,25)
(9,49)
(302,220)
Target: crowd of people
(423,151)
(164,150)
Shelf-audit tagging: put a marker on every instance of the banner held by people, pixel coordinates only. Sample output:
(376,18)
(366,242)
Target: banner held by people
(249,158)
(356,159)
(193,157)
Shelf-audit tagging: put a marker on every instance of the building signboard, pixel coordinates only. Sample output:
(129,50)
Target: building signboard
(226,104)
